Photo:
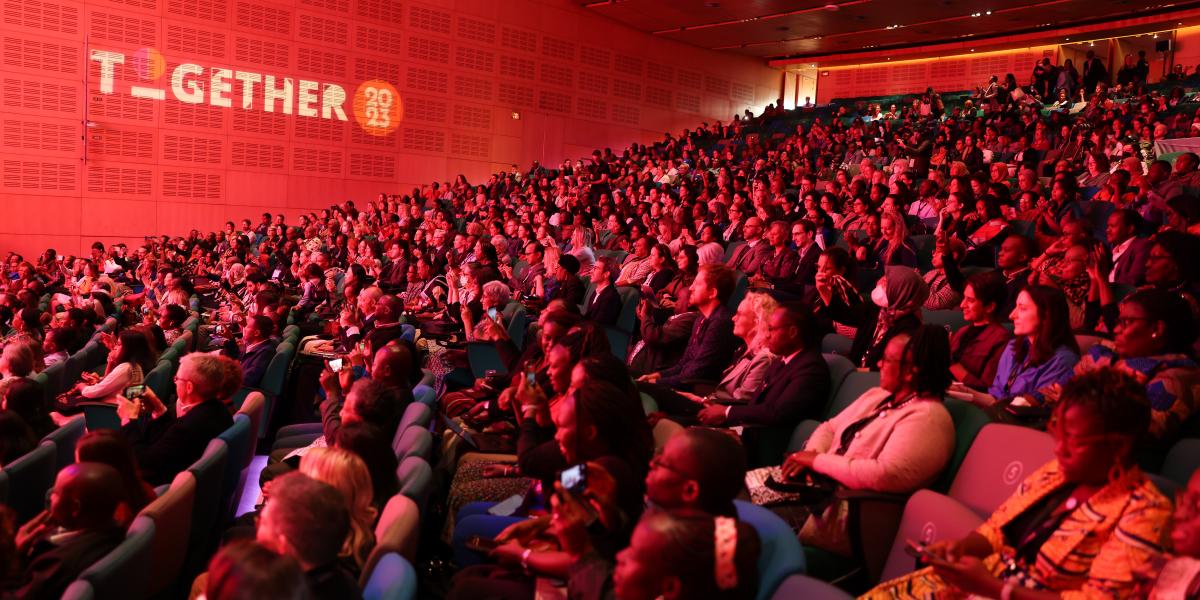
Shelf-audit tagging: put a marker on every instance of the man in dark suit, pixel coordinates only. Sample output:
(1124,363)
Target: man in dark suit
(712,342)
(1129,252)
(804,235)
(747,257)
(395,273)
(260,349)
(308,520)
(605,307)
(76,531)
(797,388)
(173,438)
(1093,72)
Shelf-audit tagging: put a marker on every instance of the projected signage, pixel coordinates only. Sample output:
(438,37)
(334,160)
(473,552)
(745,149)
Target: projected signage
(376,105)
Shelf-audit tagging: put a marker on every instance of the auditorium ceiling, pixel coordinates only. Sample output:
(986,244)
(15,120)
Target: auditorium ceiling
(778,29)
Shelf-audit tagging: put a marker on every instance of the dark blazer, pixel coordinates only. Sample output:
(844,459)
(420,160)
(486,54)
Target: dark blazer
(794,391)
(51,568)
(255,361)
(571,290)
(1012,288)
(605,307)
(394,276)
(1130,269)
(708,352)
(978,350)
(747,259)
(778,266)
(806,266)
(167,445)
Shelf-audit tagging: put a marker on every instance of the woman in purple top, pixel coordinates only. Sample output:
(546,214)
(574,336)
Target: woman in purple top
(1043,353)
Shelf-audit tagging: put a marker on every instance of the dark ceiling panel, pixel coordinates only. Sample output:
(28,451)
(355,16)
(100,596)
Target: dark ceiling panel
(775,28)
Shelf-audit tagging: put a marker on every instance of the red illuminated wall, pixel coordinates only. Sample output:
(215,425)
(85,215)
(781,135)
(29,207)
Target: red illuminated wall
(461,68)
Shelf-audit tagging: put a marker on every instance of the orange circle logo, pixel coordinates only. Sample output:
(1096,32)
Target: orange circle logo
(377,107)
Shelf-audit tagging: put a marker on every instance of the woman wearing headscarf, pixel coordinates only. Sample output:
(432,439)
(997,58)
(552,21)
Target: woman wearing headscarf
(895,308)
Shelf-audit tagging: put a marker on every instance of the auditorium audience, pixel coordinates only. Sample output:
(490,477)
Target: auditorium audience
(1081,524)
(847,224)
(895,438)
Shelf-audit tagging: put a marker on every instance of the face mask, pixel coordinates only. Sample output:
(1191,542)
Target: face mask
(879,297)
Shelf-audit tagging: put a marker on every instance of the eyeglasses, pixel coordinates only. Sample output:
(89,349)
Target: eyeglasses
(657,463)
(1124,322)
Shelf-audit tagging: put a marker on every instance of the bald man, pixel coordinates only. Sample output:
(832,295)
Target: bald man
(75,532)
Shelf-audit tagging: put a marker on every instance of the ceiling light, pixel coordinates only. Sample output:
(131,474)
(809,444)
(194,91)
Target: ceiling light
(988,12)
(1156,36)
(1091,43)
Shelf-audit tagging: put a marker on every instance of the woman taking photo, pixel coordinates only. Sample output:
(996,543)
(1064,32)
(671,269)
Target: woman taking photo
(129,360)
(1043,354)
(1080,526)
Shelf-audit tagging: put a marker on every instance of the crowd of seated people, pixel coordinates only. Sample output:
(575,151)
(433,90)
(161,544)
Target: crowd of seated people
(606,353)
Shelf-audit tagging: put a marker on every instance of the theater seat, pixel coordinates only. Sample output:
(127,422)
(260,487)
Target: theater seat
(414,441)
(209,472)
(1182,460)
(100,415)
(1000,458)
(968,421)
(415,415)
(25,481)
(253,407)
(125,572)
(855,384)
(781,552)
(65,438)
(239,438)
(951,319)
(928,517)
(393,579)
(416,481)
(172,516)
(803,586)
(839,368)
(397,532)
(834,343)
(79,590)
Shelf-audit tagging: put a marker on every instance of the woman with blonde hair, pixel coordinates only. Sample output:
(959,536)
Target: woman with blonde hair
(346,472)
(746,376)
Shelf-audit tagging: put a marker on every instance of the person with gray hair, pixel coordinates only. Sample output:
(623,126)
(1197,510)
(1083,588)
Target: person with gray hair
(166,440)
(490,326)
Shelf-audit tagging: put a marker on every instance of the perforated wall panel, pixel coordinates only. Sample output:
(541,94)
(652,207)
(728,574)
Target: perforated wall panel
(161,106)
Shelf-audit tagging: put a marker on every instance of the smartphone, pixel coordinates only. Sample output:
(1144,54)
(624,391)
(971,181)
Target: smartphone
(335,365)
(492,313)
(134,391)
(508,506)
(481,544)
(919,552)
(59,258)
(531,377)
(574,479)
